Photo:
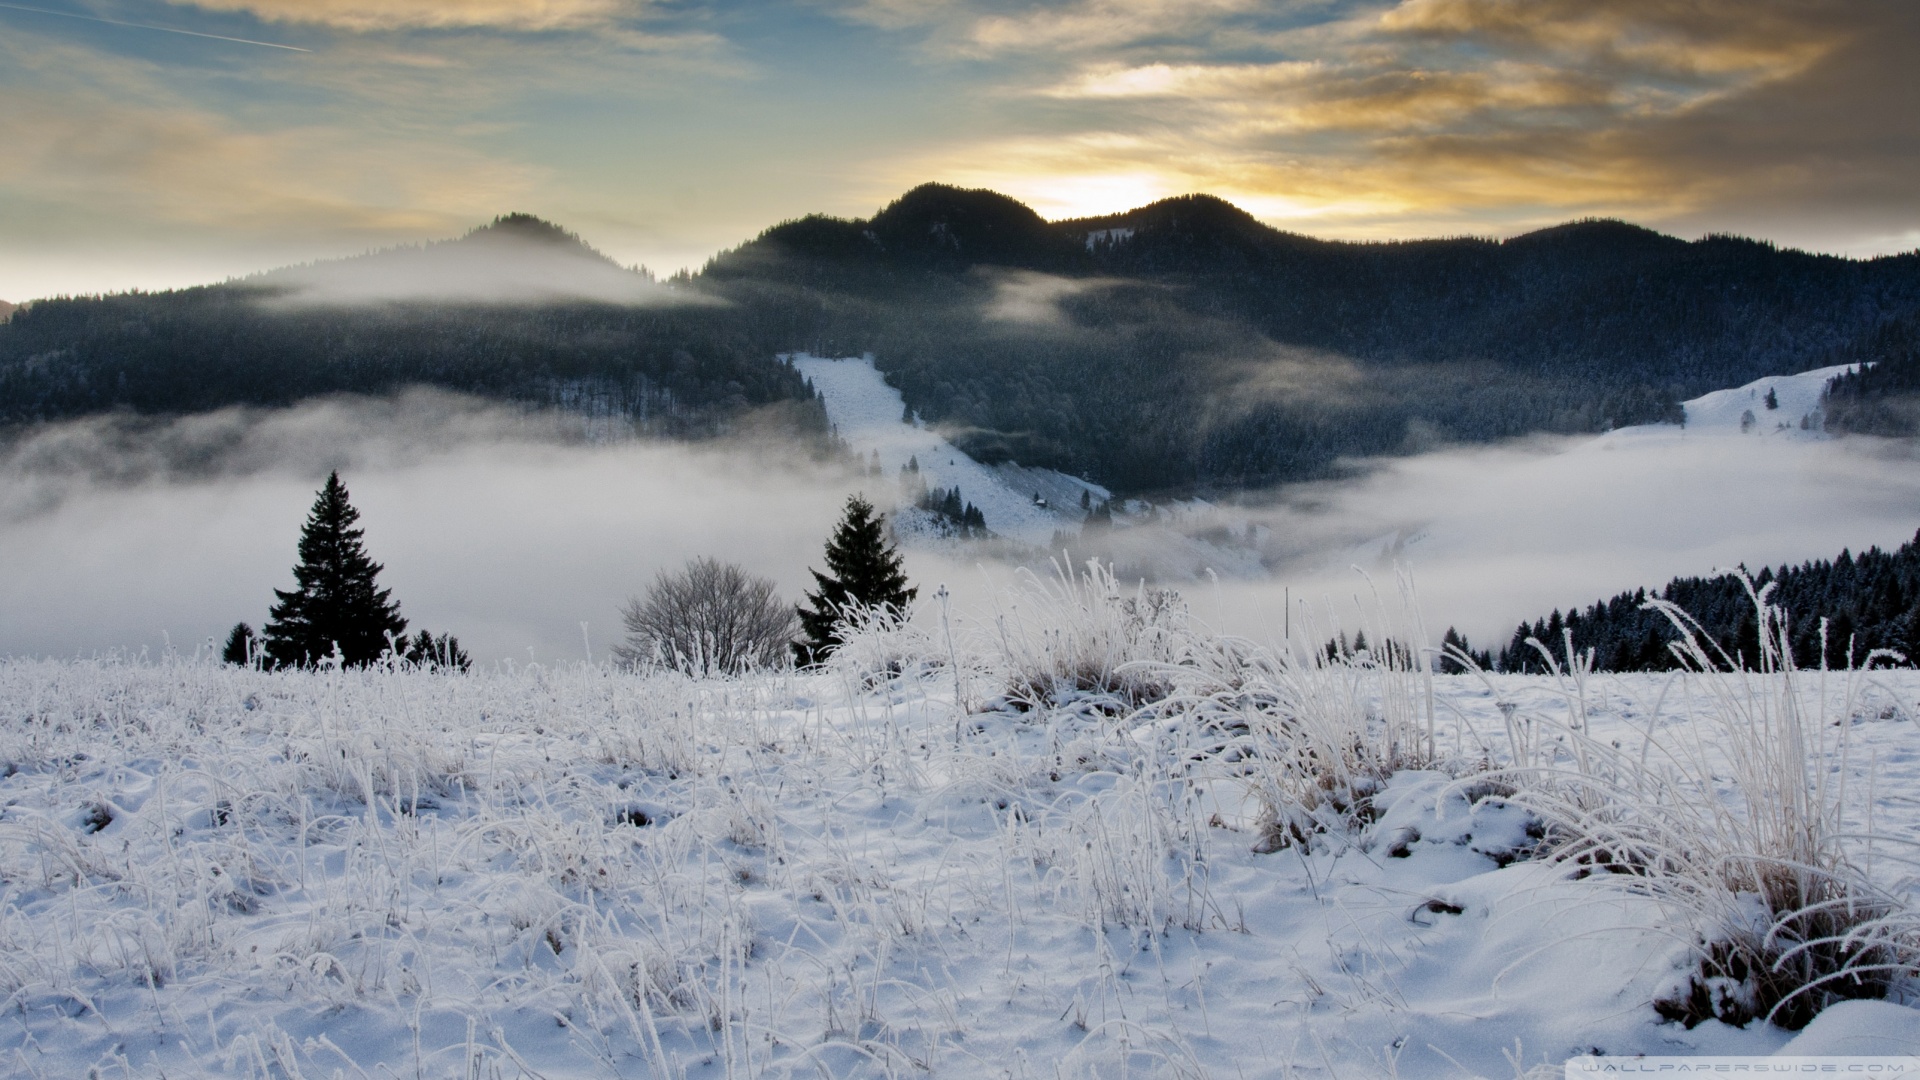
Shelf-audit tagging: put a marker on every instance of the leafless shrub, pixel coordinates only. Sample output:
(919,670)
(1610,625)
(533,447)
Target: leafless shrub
(708,618)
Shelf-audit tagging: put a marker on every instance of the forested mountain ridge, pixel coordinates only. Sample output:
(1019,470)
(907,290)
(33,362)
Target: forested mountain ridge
(1179,346)
(518,310)
(1192,346)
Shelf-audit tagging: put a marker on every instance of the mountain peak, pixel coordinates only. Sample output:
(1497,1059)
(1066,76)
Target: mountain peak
(944,225)
(524,227)
(514,259)
(1198,210)
(1599,234)
(945,200)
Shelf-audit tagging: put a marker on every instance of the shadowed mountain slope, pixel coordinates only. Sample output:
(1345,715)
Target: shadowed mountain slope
(1182,345)
(519,310)
(1185,344)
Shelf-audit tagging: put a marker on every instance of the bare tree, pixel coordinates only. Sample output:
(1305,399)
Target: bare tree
(709,618)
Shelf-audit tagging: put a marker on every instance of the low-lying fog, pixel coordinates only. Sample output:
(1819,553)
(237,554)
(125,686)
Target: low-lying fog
(523,264)
(488,526)
(1497,534)
(117,535)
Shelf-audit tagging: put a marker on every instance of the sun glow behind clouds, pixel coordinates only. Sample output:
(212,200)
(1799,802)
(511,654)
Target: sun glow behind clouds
(1079,195)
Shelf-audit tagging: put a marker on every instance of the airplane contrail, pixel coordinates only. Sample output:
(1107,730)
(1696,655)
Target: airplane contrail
(150,26)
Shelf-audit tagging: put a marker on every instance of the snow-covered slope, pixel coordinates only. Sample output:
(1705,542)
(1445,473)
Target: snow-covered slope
(1743,410)
(573,872)
(869,414)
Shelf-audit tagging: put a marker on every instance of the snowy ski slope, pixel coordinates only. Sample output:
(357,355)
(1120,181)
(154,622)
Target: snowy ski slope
(868,414)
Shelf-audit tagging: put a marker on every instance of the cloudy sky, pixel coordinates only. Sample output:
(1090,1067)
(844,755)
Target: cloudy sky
(161,142)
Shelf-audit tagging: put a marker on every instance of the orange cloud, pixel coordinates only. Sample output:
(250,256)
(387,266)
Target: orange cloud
(1701,39)
(1439,115)
(1075,28)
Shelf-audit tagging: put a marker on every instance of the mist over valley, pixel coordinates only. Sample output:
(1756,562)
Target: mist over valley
(577,426)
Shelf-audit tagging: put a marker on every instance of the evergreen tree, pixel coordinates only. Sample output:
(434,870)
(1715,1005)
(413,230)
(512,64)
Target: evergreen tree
(1100,517)
(1455,645)
(437,652)
(242,645)
(863,569)
(335,601)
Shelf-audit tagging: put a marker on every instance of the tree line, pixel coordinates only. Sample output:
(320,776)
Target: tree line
(1882,396)
(1840,611)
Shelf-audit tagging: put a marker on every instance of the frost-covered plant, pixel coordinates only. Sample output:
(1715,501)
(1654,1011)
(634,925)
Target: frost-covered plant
(1081,636)
(1741,825)
(1319,732)
(880,642)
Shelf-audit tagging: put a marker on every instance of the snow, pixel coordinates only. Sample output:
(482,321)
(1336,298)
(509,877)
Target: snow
(1859,1029)
(1798,397)
(412,874)
(867,414)
(1718,416)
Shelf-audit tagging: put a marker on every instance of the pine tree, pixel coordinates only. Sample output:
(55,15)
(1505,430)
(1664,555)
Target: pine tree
(242,645)
(863,569)
(442,652)
(335,601)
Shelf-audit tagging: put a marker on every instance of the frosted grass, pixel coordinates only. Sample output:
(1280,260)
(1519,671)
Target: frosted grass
(576,871)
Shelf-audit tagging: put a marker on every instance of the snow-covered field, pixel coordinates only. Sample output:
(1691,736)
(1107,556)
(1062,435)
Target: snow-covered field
(575,872)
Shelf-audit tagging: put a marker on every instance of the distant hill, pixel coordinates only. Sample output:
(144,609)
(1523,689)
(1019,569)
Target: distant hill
(7,310)
(1193,346)
(518,259)
(1182,345)
(519,309)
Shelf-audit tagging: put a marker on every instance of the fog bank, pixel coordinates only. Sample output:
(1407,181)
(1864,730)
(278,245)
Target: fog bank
(490,524)
(1493,535)
(509,530)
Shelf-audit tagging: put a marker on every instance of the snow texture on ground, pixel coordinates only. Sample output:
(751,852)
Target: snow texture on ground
(868,414)
(576,872)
